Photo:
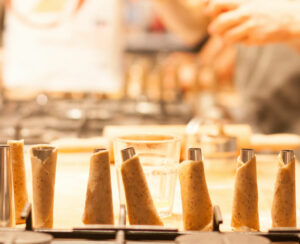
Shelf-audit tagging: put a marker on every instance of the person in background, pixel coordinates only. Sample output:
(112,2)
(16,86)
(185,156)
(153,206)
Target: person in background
(267,73)
(186,18)
(255,22)
(183,18)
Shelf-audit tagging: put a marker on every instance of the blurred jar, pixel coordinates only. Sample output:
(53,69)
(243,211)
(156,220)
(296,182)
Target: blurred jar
(219,152)
(218,148)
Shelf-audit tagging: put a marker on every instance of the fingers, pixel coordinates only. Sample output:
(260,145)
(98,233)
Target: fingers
(216,7)
(245,37)
(238,33)
(227,21)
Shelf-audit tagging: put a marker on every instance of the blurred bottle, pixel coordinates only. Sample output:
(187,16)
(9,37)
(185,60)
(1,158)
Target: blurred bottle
(63,45)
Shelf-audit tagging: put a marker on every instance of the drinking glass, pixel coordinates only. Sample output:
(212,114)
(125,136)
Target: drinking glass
(159,156)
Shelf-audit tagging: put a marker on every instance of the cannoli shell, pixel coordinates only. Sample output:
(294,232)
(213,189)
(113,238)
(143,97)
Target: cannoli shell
(245,199)
(19,177)
(284,200)
(140,206)
(98,204)
(196,204)
(43,185)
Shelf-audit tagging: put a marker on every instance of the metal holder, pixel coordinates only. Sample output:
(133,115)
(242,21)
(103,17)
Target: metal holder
(194,154)
(7,208)
(127,153)
(286,155)
(122,233)
(27,215)
(246,155)
(217,219)
(99,150)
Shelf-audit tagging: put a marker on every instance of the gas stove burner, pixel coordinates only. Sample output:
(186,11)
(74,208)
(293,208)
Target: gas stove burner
(219,238)
(22,237)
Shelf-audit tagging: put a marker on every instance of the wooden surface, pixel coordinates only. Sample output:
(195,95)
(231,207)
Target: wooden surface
(71,183)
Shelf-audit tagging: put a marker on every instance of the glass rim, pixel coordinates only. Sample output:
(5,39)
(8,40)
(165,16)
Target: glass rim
(168,138)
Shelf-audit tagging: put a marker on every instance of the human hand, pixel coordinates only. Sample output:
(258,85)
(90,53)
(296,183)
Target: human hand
(220,57)
(258,22)
(216,7)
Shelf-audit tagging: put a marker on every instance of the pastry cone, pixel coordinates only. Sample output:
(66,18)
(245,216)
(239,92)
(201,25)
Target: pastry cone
(43,164)
(284,200)
(196,204)
(140,205)
(19,178)
(245,199)
(98,203)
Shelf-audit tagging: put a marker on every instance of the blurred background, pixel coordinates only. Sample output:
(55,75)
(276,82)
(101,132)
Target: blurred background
(68,68)
(71,67)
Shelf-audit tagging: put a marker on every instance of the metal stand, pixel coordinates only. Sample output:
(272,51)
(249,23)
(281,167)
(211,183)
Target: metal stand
(27,215)
(217,219)
(121,233)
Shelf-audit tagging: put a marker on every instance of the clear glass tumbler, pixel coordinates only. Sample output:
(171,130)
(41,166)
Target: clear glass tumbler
(159,156)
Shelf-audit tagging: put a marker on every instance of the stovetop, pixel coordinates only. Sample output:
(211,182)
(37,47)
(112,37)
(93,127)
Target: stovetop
(84,118)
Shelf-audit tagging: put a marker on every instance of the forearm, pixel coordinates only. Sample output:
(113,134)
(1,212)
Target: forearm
(184,19)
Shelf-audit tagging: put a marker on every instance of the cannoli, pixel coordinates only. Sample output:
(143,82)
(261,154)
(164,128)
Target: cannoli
(196,204)
(140,206)
(284,200)
(43,164)
(19,177)
(245,200)
(98,204)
